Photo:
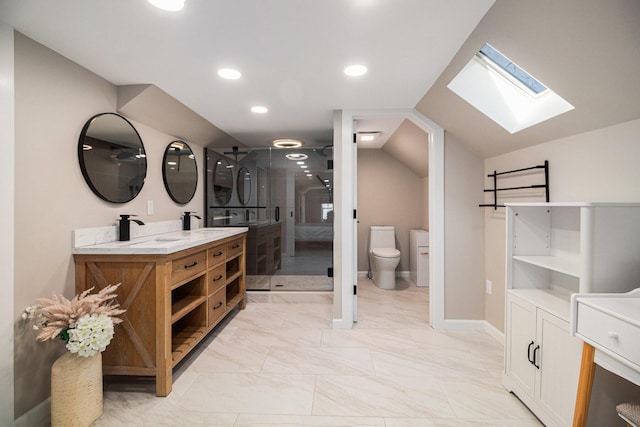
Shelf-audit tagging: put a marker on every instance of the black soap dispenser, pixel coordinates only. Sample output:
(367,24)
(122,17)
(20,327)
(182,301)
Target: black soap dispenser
(186,220)
(125,226)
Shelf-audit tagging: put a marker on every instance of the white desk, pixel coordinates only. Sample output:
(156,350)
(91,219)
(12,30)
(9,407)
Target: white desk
(609,325)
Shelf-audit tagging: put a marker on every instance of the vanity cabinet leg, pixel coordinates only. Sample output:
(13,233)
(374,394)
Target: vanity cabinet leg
(164,382)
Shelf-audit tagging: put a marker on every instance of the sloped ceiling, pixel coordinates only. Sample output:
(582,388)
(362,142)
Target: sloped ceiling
(584,50)
(410,145)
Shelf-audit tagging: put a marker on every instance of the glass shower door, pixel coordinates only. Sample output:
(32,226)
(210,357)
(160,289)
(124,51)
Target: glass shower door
(285,199)
(302,192)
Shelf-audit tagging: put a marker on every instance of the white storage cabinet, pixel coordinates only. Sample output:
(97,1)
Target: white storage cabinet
(554,250)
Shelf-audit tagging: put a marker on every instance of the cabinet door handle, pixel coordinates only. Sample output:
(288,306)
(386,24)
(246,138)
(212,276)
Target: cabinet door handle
(215,279)
(535,350)
(529,352)
(186,267)
(218,305)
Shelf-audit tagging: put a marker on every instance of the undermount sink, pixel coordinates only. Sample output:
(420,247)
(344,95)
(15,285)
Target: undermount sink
(160,241)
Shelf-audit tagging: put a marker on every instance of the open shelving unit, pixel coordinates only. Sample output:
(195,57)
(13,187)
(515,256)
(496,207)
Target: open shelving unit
(555,250)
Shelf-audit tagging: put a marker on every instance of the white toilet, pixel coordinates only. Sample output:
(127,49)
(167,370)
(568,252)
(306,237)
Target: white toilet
(383,256)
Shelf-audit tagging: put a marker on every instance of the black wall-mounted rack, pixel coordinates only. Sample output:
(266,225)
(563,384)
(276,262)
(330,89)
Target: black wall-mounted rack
(495,188)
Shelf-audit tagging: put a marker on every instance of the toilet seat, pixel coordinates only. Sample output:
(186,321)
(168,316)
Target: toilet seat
(385,252)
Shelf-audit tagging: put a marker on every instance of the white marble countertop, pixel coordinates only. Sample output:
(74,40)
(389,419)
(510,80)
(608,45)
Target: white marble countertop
(161,244)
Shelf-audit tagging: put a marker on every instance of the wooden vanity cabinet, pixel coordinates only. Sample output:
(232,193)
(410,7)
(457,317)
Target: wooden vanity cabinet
(172,302)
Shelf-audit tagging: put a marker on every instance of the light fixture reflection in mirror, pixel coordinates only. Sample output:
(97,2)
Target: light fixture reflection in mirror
(112,158)
(180,172)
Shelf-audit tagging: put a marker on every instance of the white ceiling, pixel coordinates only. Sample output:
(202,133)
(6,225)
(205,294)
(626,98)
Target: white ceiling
(291,54)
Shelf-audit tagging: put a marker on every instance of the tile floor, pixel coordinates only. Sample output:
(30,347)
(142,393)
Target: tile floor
(279,363)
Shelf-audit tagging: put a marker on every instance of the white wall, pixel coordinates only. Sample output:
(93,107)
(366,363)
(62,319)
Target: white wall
(54,98)
(464,239)
(7,147)
(598,166)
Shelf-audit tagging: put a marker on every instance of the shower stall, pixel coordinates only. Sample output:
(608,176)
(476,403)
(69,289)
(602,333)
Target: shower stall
(285,198)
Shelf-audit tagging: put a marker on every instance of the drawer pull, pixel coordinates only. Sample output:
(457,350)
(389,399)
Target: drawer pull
(186,267)
(235,247)
(218,305)
(217,255)
(613,336)
(217,278)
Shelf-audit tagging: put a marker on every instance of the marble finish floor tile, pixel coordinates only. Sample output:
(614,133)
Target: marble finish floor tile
(362,395)
(251,393)
(280,363)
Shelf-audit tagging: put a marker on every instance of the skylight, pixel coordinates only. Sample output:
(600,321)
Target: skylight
(511,68)
(505,92)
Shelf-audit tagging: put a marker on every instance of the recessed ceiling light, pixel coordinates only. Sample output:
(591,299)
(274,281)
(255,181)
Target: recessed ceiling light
(168,5)
(287,143)
(303,166)
(296,156)
(229,73)
(258,109)
(368,136)
(355,70)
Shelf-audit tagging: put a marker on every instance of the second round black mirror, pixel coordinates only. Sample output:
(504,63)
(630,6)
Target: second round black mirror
(180,172)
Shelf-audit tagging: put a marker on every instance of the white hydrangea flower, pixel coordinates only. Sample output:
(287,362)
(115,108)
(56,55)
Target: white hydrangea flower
(91,334)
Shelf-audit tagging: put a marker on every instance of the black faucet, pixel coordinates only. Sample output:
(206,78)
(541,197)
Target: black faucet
(186,220)
(124,228)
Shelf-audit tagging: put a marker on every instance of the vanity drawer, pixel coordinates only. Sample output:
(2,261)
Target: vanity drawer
(217,306)
(610,332)
(188,266)
(216,278)
(217,255)
(234,247)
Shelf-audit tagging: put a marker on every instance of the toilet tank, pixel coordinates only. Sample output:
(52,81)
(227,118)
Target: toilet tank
(382,236)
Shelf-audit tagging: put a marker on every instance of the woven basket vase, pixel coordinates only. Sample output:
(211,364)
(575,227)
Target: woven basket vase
(76,390)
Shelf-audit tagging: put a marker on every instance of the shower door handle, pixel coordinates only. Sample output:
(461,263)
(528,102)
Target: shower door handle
(277,213)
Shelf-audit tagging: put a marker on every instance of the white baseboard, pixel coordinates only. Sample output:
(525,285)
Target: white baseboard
(494,332)
(473,325)
(37,416)
(462,325)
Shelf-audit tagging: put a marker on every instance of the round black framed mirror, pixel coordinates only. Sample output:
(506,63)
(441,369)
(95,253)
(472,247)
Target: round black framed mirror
(112,158)
(222,181)
(243,185)
(180,172)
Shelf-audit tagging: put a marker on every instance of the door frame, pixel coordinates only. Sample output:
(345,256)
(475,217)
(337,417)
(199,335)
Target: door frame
(345,230)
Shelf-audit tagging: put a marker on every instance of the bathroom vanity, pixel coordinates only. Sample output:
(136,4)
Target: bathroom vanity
(176,287)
